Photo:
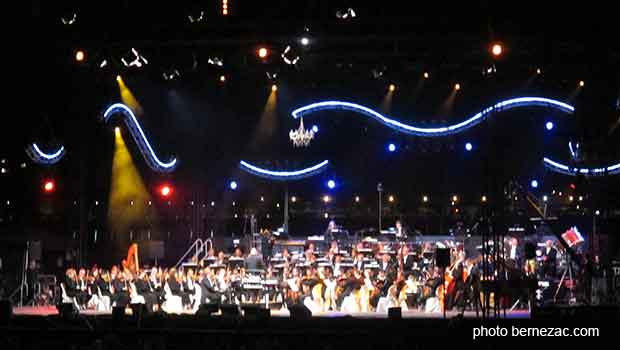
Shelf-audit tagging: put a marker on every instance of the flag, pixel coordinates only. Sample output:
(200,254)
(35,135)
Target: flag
(572,237)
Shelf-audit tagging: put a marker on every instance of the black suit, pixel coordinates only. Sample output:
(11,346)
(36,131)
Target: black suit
(121,294)
(407,263)
(209,292)
(175,289)
(143,289)
(388,268)
(550,262)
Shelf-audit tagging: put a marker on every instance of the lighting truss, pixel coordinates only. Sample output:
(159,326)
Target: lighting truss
(574,171)
(40,157)
(138,135)
(284,175)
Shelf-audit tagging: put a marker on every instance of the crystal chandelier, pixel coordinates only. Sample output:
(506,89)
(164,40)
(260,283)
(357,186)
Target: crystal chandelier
(301,137)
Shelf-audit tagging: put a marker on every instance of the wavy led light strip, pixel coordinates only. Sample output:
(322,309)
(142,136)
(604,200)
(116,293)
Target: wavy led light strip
(283,175)
(566,170)
(436,131)
(138,135)
(38,156)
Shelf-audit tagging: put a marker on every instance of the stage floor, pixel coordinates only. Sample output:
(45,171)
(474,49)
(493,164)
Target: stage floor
(516,314)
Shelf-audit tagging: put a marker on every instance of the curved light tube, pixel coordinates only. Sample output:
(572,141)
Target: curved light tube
(436,131)
(41,157)
(283,175)
(574,171)
(138,135)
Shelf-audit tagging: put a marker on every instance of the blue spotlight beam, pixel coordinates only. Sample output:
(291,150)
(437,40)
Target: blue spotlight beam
(284,175)
(574,171)
(518,102)
(140,138)
(40,157)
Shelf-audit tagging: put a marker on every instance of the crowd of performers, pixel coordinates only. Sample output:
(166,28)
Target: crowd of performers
(367,276)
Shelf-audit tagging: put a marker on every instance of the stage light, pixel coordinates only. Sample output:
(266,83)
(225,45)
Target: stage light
(426,75)
(293,199)
(326,215)
(267,216)
(117,130)
(150,203)
(391,147)
(425,199)
(80,56)
(457,87)
(392,87)
(274,87)
(96,203)
(262,52)
(331,184)
(131,203)
(236,216)
(581,198)
(222,78)
(234,204)
(468,146)
(391,198)
(534,183)
(545,198)
(262,199)
(212,203)
(572,186)
(497,50)
(326,199)
(118,78)
(165,190)
(305,41)
(455,198)
(484,199)
(598,212)
(357,199)
(582,83)
(571,198)
(225,7)
(49,186)
(3,170)
(456,210)
(538,71)
(277,205)
(549,125)
(233,185)
(315,129)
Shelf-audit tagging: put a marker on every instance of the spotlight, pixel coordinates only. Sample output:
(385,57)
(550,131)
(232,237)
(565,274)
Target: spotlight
(216,61)
(391,198)
(68,19)
(391,147)
(457,86)
(274,87)
(468,146)
(426,75)
(455,198)
(3,170)
(212,203)
(277,205)
(289,56)
(194,18)
(165,190)
(497,49)
(293,199)
(305,41)
(331,184)
(262,52)
(103,63)
(315,129)
(262,199)
(545,198)
(233,185)
(134,59)
(49,186)
(117,130)
(582,83)
(484,199)
(347,13)
(326,199)
(357,199)
(326,215)
(598,212)
(118,78)
(534,183)
(425,199)
(538,71)
(222,78)
(549,125)
(224,7)
(392,87)
(80,55)
(571,198)
(581,198)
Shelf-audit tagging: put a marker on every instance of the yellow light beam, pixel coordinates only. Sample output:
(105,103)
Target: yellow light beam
(268,122)
(128,97)
(128,195)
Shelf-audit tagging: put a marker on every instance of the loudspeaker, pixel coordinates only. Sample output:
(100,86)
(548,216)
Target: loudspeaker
(299,312)
(35,250)
(530,250)
(207,309)
(67,310)
(6,311)
(442,257)
(395,313)
(256,312)
(230,310)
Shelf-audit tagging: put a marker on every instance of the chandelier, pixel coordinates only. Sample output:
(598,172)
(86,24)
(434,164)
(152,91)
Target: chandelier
(301,137)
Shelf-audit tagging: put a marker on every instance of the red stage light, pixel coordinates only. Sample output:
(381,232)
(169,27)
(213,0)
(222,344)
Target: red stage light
(572,186)
(165,190)
(49,186)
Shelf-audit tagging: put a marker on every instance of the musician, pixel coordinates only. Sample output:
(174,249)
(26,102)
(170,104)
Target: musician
(238,253)
(337,262)
(82,284)
(386,265)
(286,256)
(221,258)
(549,259)
(209,286)
(254,261)
(406,260)
(358,262)
(330,231)
(120,292)
(144,289)
(401,232)
(71,287)
(176,287)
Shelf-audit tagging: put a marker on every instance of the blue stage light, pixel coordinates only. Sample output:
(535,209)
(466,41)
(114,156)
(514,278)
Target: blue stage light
(233,185)
(549,125)
(331,184)
(468,146)
(534,183)
(566,170)
(391,147)
(284,175)
(315,129)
